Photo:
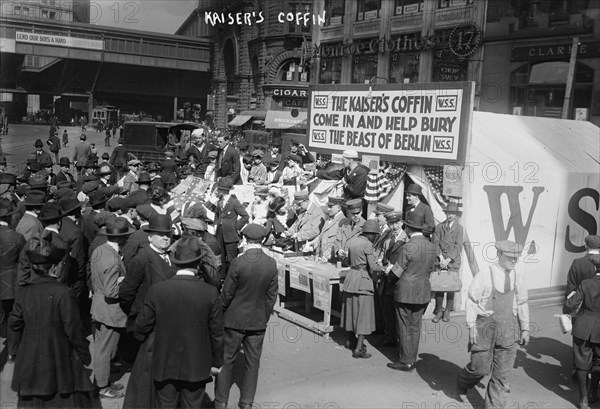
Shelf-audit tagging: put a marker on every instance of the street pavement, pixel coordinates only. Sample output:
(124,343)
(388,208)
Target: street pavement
(302,370)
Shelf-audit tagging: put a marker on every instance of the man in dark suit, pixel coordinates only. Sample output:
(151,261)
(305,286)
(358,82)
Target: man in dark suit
(230,218)
(151,265)
(11,244)
(583,268)
(186,316)
(139,239)
(248,296)
(118,159)
(41,155)
(64,174)
(228,161)
(81,154)
(421,212)
(54,144)
(97,201)
(412,292)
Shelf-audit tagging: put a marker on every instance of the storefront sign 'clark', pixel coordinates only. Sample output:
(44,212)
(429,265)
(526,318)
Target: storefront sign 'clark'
(428,123)
(503,228)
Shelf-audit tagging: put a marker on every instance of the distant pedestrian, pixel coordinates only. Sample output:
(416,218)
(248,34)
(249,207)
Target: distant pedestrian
(496,308)
(54,146)
(65,138)
(107,137)
(81,154)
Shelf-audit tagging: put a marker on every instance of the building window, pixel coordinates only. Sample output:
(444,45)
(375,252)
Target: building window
(368,9)
(17,10)
(331,71)
(408,6)
(364,68)
(25,11)
(334,11)
(292,71)
(301,8)
(444,4)
(404,68)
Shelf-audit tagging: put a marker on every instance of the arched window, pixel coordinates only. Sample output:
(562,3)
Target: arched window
(292,71)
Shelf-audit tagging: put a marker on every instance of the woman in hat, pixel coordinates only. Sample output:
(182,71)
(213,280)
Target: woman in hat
(49,370)
(358,305)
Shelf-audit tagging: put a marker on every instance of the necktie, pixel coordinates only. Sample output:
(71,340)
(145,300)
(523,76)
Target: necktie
(506,281)
(165,256)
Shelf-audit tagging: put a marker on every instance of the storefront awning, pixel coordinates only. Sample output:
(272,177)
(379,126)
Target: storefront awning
(286,120)
(239,120)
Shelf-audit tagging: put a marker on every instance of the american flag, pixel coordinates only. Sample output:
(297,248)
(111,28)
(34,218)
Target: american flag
(435,177)
(382,183)
(191,189)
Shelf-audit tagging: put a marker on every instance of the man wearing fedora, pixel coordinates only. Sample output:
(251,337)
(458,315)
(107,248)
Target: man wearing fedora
(309,219)
(323,243)
(198,228)
(184,356)
(412,291)
(228,161)
(151,265)
(29,225)
(118,158)
(248,297)
(449,239)
(81,154)
(130,182)
(353,175)
(420,211)
(350,227)
(64,173)
(230,217)
(40,154)
(107,270)
(497,318)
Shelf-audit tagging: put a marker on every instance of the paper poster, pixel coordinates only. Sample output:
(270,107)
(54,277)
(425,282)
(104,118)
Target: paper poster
(299,279)
(372,162)
(281,277)
(321,292)
(244,193)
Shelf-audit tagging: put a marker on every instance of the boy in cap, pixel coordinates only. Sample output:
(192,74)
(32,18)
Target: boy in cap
(248,298)
(497,303)
(350,227)
(448,238)
(258,172)
(274,173)
(300,150)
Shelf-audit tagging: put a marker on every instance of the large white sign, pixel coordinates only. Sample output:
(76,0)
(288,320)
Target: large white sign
(58,41)
(425,123)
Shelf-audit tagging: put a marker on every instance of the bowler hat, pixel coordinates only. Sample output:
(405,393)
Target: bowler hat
(8,179)
(354,205)
(382,208)
(144,178)
(276,204)
(159,223)
(592,242)
(35,198)
(118,226)
(451,208)
(194,224)
(413,222)
(97,198)
(188,250)
(49,254)
(509,248)
(393,217)
(69,205)
(371,226)
(50,211)
(334,200)
(64,161)
(414,189)
(225,184)
(300,196)
(254,231)
(38,143)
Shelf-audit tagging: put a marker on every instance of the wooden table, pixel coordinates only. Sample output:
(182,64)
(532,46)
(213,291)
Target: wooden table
(317,281)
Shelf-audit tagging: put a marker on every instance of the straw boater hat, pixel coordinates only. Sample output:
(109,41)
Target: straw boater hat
(118,226)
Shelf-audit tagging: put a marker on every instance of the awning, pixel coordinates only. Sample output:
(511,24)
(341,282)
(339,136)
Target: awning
(255,114)
(239,120)
(285,120)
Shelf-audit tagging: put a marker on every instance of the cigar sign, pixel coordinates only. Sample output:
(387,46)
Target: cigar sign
(413,123)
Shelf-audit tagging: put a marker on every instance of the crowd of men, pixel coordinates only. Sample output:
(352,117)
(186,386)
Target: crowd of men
(105,254)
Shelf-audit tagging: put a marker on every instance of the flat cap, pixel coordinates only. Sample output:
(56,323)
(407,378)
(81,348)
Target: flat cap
(354,205)
(114,204)
(254,231)
(510,248)
(193,224)
(145,211)
(134,162)
(393,217)
(258,152)
(382,208)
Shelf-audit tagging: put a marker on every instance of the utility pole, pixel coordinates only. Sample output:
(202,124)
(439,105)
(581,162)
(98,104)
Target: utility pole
(570,79)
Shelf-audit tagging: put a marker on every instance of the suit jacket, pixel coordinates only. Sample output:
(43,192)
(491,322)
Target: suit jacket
(228,165)
(190,308)
(62,176)
(11,244)
(51,361)
(250,291)
(29,226)
(73,235)
(146,269)
(42,157)
(228,223)
(24,276)
(413,269)
(449,242)
(90,229)
(107,267)
(587,324)
(323,244)
(308,224)
(581,269)
(423,215)
(54,143)
(119,156)
(137,241)
(81,153)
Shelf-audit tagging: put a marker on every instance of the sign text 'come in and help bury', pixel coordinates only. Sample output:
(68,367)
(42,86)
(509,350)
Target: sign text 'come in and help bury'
(418,123)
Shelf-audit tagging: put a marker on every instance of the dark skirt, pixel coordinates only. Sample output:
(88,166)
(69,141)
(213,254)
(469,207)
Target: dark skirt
(73,400)
(358,313)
